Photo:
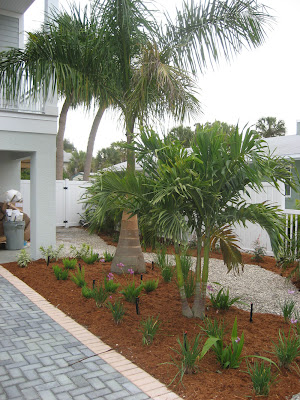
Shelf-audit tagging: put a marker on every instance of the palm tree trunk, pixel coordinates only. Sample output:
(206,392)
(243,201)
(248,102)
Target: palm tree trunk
(129,251)
(197,300)
(90,146)
(186,310)
(60,138)
(204,275)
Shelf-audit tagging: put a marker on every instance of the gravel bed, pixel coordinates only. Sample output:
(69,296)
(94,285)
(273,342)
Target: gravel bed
(265,289)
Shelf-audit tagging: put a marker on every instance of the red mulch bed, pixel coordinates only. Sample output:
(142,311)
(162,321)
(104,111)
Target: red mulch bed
(211,381)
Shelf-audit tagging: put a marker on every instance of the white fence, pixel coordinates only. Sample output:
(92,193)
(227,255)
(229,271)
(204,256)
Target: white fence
(252,232)
(68,206)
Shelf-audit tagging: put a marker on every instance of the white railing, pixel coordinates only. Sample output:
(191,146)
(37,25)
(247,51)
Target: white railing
(25,101)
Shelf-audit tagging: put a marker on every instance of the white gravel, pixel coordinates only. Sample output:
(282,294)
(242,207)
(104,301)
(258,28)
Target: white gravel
(265,289)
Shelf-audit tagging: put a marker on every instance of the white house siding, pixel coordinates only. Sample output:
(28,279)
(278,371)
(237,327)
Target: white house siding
(9,32)
(28,130)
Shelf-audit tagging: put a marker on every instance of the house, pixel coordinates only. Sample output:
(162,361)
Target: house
(289,147)
(28,131)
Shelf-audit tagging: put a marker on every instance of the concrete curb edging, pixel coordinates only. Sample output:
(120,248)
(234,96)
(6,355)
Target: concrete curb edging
(144,381)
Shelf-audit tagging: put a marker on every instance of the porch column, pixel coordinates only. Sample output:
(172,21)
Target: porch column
(42,201)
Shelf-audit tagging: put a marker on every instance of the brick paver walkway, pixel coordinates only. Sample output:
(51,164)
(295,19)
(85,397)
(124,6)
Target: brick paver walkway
(46,355)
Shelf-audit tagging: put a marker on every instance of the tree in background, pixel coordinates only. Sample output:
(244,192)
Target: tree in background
(76,163)
(112,155)
(68,146)
(184,134)
(269,127)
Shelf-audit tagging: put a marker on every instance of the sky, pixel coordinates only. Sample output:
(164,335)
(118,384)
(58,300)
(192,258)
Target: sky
(257,83)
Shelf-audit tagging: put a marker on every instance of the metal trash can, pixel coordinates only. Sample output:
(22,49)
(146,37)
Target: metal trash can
(14,232)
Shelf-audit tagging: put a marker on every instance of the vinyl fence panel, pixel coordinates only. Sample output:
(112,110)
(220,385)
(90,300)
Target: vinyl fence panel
(249,234)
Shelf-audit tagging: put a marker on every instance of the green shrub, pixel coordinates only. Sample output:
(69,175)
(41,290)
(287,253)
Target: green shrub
(78,277)
(100,295)
(91,258)
(83,251)
(23,258)
(167,273)
(150,285)
(107,256)
(87,292)
(51,252)
(287,349)
(149,327)
(110,285)
(60,273)
(117,310)
(261,377)
(69,263)
(287,309)
(222,300)
(259,251)
(130,292)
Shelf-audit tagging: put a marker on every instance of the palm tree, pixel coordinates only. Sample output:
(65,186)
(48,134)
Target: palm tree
(269,127)
(203,190)
(144,66)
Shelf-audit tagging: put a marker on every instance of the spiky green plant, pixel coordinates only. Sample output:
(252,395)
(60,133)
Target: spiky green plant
(78,277)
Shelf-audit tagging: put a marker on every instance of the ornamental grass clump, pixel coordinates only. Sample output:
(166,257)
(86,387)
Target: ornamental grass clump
(78,277)
(109,284)
(287,349)
(87,292)
(23,258)
(261,377)
(91,258)
(60,273)
(130,292)
(222,300)
(287,309)
(100,295)
(69,263)
(150,285)
(108,257)
(149,328)
(117,309)
(162,261)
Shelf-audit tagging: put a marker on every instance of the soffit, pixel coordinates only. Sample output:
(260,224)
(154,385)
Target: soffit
(17,6)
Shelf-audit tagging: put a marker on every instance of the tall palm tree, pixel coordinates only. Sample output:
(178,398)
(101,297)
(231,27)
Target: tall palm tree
(269,127)
(145,66)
